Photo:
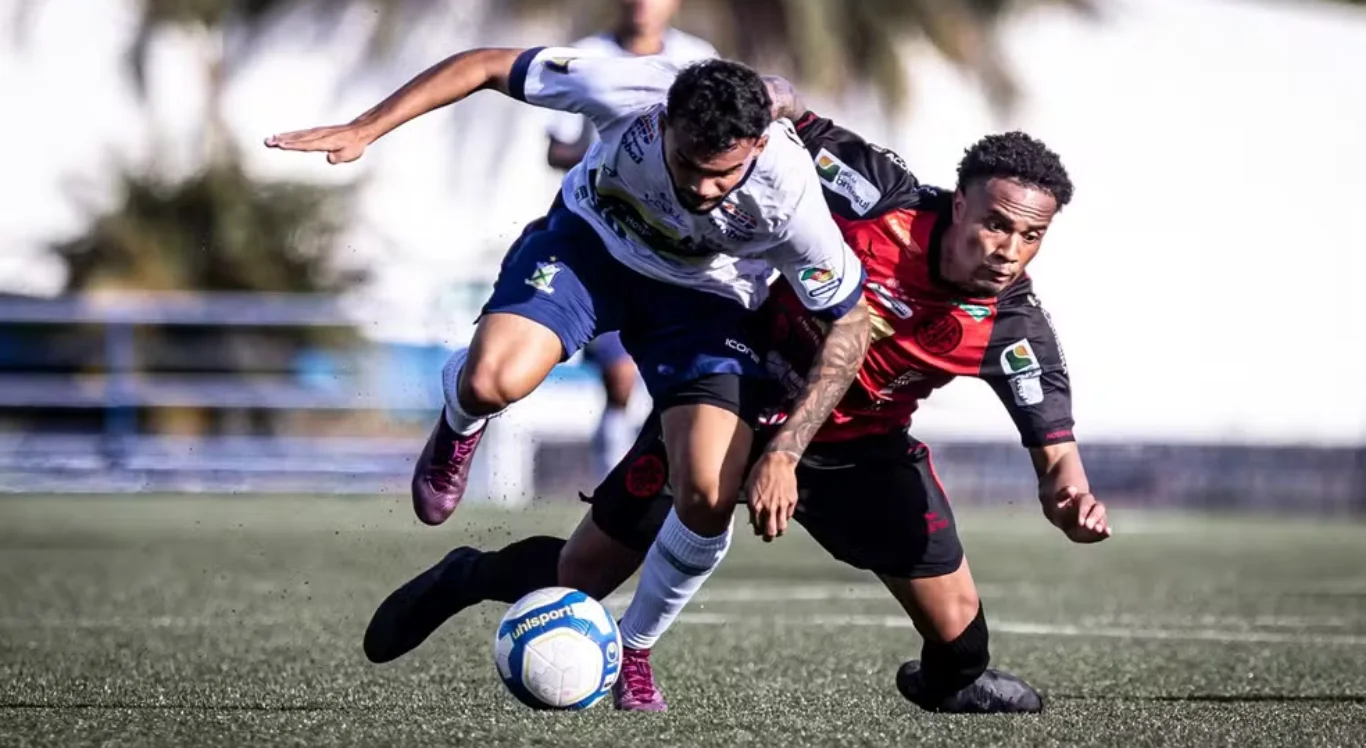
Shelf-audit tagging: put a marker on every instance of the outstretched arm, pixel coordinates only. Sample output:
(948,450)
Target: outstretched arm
(442,84)
(787,103)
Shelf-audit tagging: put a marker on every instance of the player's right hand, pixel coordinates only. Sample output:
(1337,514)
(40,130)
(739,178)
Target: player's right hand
(771,492)
(341,143)
(1079,514)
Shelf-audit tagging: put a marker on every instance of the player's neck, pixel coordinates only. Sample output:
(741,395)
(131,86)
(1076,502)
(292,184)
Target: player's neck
(639,43)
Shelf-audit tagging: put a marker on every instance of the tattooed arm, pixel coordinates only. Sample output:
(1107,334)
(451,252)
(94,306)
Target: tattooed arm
(772,487)
(787,103)
(837,363)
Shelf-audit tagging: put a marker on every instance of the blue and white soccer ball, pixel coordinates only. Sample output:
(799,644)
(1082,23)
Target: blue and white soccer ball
(558,648)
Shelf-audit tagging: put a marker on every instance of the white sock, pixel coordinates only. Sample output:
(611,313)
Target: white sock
(456,417)
(613,439)
(677,565)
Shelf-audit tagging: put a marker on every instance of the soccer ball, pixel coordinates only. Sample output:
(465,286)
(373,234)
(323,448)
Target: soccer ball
(558,648)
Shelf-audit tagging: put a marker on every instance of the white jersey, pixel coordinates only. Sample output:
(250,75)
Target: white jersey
(678,48)
(776,218)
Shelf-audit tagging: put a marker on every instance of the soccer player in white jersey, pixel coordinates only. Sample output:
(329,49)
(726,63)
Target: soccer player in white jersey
(667,231)
(641,29)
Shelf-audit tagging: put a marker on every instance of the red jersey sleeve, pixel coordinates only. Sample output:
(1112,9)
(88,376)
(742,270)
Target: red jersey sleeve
(1026,367)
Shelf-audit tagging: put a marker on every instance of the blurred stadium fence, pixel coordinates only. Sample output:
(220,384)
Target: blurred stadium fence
(261,393)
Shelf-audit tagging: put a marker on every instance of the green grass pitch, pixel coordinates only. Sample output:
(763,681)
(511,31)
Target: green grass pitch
(237,621)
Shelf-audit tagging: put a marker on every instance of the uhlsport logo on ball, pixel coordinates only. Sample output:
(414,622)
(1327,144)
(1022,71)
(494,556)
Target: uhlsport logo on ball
(558,648)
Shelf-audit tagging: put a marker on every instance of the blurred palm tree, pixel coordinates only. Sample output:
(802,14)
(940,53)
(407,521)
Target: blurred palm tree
(826,45)
(217,229)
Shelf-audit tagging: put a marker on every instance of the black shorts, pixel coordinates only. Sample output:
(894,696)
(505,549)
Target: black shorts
(873,503)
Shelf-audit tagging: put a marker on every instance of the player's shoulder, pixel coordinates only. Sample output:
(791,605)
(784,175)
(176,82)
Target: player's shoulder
(1023,322)
(782,175)
(628,83)
(1020,299)
(861,179)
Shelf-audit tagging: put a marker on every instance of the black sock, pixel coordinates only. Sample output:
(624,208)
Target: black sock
(950,666)
(509,574)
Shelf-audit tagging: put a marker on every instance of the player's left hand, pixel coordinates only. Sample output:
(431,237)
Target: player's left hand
(1079,514)
(772,493)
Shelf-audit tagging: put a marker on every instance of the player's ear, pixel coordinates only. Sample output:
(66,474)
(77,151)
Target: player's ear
(760,143)
(960,205)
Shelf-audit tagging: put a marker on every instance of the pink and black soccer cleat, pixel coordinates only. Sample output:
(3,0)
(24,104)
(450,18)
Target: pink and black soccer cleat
(442,471)
(635,689)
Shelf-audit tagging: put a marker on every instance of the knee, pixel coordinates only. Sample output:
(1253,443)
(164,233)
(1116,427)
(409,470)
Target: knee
(485,388)
(595,563)
(620,381)
(702,507)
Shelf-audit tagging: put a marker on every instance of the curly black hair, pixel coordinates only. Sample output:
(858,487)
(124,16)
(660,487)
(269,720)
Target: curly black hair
(717,103)
(1017,156)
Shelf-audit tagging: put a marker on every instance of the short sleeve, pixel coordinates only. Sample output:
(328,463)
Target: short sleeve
(603,88)
(812,254)
(1026,368)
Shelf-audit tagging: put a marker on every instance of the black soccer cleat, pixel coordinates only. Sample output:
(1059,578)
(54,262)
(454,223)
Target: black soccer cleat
(994,692)
(412,612)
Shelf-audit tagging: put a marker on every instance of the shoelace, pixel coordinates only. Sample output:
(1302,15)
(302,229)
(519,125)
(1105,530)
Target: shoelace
(635,674)
(447,471)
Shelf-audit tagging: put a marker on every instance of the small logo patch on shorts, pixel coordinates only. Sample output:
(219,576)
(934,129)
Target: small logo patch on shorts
(645,477)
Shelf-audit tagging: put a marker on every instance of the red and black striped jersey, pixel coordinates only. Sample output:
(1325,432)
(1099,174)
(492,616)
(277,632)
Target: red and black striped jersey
(924,334)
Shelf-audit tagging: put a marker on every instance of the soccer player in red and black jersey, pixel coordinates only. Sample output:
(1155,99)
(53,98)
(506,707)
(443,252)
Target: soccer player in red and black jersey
(946,283)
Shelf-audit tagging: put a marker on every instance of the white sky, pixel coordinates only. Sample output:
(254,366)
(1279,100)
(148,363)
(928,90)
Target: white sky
(1205,279)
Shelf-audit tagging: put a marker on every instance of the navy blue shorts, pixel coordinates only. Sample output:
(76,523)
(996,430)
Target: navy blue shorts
(605,350)
(559,274)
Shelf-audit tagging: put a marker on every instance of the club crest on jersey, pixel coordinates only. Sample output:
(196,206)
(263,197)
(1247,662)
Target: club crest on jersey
(544,277)
(820,282)
(1018,357)
(842,180)
(939,335)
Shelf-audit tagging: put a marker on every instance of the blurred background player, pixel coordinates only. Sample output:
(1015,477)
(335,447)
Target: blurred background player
(641,29)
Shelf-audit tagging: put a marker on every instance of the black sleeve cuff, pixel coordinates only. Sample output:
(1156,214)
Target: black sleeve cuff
(1035,439)
(517,81)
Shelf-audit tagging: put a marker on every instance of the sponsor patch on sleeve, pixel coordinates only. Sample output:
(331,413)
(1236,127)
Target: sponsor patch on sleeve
(842,180)
(820,282)
(1018,357)
(1028,388)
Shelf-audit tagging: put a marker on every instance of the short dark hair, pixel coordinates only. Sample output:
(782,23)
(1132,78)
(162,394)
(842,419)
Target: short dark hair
(718,102)
(1017,156)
